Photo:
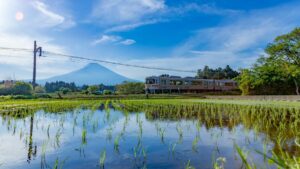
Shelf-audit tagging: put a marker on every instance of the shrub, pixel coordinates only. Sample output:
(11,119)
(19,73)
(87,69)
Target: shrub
(107,92)
(39,89)
(22,88)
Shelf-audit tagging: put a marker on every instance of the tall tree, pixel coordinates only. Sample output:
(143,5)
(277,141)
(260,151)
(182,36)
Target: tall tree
(286,50)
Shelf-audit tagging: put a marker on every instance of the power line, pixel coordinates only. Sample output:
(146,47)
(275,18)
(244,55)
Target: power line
(16,49)
(119,63)
(100,61)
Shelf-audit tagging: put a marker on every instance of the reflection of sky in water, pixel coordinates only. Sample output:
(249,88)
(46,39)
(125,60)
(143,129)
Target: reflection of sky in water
(157,139)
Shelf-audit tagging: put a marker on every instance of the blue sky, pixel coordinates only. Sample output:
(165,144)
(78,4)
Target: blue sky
(178,34)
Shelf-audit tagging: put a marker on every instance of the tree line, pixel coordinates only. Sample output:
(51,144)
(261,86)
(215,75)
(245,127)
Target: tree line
(25,88)
(219,73)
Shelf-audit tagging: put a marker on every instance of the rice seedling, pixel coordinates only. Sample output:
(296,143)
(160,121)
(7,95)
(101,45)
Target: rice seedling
(109,133)
(48,131)
(189,166)
(162,134)
(116,143)
(83,137)
(59,164)
(102,158)
(180,132)
(172,148)
(219,163)
(43,156)
(195,144)
(144,152)
(243,156)
(57,137)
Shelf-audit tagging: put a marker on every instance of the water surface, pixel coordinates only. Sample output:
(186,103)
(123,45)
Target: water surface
(76,139)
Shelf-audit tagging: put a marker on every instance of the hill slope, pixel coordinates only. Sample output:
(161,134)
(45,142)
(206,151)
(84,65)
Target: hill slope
(92,73)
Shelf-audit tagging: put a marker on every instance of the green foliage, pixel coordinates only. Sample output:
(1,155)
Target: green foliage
(56,86)
(19,88)
(286,50)
(39,89)
(93,89)
(276,73)
(22,88)
(65,90)
(219,73)
(102,158)
(245,81)
(130,88)
(107,92)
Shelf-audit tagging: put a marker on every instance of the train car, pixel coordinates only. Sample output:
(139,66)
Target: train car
(177,84)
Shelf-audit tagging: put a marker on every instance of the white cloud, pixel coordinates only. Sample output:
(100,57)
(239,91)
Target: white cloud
(106,39)
(124,15)
(127,27)
(192,63)
(53,17)
(116,12)
(242,37)
(128,42)
(208,9)
(111,39)
(237,43)
(50,18)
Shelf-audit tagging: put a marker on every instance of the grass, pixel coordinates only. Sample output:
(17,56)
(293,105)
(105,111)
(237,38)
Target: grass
(102,158)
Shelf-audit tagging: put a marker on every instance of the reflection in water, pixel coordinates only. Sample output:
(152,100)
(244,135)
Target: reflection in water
(31,151)
(109,136)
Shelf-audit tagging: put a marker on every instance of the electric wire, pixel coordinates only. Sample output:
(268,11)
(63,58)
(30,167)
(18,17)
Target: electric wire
(48,53)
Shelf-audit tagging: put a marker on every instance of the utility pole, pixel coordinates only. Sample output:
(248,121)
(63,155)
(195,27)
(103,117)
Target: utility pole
(35,51)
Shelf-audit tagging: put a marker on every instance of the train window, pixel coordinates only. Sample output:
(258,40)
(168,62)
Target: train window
(150,81)
(186,82)
(172,82)
(228,84)
(179,82)
(196,82)
(163,82)
(176,82)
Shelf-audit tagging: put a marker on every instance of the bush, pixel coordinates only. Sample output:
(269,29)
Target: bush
(44,96)
(23,97)
(130,88)
(65,90)
(107,92)
(93,89)
(22,88)
(39,89)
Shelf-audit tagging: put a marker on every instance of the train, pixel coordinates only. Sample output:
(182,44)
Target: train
(177,84)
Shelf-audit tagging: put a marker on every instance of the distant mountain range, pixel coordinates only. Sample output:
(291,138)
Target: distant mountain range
(91,74)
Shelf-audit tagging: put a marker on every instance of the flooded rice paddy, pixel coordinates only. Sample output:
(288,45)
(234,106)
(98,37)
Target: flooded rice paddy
(141,134)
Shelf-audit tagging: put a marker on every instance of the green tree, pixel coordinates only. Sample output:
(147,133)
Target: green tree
(219,73)
(286,50)
(93,89)
(130,88)
(64,90)
(245,81)
(39,89)
(107,92)
(22,88)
